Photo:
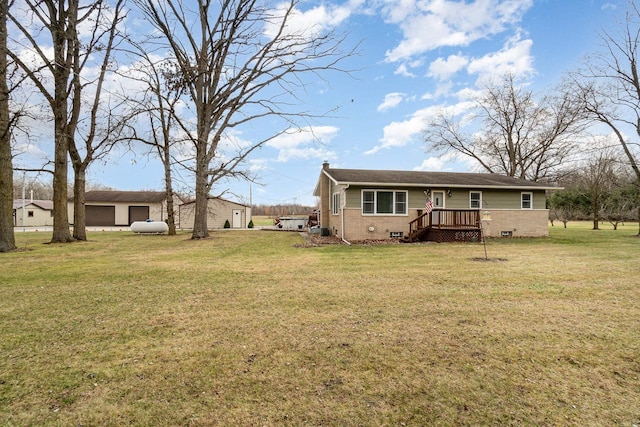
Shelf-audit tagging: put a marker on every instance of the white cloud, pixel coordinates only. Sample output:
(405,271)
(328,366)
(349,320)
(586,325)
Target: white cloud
(391,100)
(453,161)
(515,58)
(431,164)
(443,69)
(399,134)
(403,70)
(310,22)
(299,143)
(430,24)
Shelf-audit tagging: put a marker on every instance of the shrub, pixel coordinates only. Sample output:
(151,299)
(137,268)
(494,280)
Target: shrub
(250,225)
(227,224)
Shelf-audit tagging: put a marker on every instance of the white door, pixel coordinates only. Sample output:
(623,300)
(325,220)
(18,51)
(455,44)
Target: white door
(237,218)
(438,199)
(438,203)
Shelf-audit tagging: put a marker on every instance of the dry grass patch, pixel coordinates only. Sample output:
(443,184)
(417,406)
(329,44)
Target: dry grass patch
(248,329)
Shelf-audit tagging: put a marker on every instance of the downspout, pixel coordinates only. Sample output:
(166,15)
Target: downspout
(343,203)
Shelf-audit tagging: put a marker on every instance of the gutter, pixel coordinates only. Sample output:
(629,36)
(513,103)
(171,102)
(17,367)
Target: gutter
(343,203)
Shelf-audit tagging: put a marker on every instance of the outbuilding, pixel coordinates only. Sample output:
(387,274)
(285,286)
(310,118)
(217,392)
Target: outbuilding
(121,208)
(32,213)
(219,211)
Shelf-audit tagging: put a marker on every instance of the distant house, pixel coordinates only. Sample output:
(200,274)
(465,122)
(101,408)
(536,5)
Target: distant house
(121,208)
(377,204)
(32,213)
(218,212)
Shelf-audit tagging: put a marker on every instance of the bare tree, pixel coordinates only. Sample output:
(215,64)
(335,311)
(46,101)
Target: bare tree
(158,105)
(596,180)
(568,204)
(610,86)
(620,203)
(7,238)
(98,129)
(240,61)
(80,33)
(514,133)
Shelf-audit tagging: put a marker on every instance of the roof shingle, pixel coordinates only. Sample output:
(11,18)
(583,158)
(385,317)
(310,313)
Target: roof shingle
(430,179)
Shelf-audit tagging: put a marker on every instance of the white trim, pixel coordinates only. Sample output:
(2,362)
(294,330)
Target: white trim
(375,201)
(475,192)
(530,193)
(335,207)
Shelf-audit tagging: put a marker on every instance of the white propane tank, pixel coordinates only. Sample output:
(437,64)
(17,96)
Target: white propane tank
(149,227)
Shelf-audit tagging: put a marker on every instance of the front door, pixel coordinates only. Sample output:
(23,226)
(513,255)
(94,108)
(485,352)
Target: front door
(237,218)
(438,203)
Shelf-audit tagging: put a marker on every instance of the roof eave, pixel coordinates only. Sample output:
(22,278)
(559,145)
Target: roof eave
(431,185)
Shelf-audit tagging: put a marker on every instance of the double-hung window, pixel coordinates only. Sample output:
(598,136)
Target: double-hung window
(384,202)
(335,207)
(475,199)
(526,200)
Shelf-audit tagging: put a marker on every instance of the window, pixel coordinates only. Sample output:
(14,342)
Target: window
(336,203)
(384,202)
(475,199)
(526,200)
(368,202)
(30,214)
(401,202)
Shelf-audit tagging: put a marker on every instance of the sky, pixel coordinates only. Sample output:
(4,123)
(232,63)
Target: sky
(415,58)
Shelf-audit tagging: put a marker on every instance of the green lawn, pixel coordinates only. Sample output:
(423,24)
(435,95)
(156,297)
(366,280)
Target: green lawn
(254,328)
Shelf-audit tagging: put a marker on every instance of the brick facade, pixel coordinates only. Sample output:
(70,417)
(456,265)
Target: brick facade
(521,223)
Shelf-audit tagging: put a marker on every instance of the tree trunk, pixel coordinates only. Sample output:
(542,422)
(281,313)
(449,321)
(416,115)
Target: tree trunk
(200,229)
(62,133)
(79,211)
(7,238)
(168,185)
(61,233)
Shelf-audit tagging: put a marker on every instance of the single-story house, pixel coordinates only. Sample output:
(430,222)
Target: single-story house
(218,212)
(443,206)
(121,208)
(32,213)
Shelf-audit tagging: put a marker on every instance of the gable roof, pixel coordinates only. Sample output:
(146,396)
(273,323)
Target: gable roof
(124,196)
(46,205)
(385,178)
(215,198)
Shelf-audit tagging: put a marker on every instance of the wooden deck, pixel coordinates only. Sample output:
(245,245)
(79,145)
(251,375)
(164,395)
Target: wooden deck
(446,225)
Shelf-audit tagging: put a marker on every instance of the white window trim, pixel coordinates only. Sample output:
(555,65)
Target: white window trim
(530,193)
(335,204)
(474,192)
(375,202)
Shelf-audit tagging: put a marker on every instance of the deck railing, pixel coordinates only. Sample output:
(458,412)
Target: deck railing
(447,219)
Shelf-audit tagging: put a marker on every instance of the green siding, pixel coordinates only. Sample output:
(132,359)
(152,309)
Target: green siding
(491,199)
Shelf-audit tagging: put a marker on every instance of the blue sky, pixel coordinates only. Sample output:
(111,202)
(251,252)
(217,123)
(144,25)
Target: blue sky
(416,56)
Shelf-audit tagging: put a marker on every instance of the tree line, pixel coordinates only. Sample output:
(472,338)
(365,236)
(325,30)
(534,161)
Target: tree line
(603,190)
